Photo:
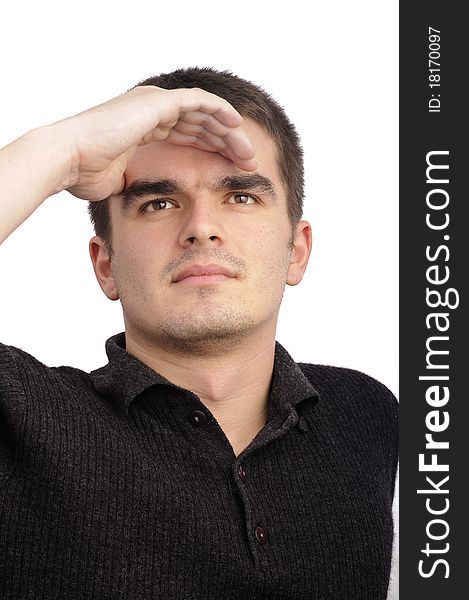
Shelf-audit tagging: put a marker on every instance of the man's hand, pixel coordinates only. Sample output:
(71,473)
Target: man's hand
(103,139)
(88,153)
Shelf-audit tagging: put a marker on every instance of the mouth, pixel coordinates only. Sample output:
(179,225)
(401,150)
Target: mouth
(203,274)
(203,279)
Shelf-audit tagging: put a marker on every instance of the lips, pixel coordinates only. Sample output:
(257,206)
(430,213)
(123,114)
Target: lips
(199,270)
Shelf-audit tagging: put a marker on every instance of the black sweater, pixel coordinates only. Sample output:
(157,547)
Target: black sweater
(119,484)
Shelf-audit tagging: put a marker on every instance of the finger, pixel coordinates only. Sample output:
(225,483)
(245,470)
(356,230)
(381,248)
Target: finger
(195,99)
(238,141)
(204,139)
(189,128)
(120,185)
(244,164)
(215,141)
(189,140)
(181,139)
(157,134)
(199,143)
(197,117)
(247,164)
(198,107)
(198,131)
(217,134)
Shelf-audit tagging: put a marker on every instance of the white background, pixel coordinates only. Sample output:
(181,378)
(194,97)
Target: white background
(333,66)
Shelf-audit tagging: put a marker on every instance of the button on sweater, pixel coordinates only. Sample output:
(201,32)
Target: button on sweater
(119,484)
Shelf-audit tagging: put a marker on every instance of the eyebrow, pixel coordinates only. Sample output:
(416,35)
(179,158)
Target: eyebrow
(145,187)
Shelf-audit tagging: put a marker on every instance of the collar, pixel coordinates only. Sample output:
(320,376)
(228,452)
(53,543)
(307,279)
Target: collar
(125,377)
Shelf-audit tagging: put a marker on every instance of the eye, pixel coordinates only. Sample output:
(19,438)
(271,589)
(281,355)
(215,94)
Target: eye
(157,205)
(243,198)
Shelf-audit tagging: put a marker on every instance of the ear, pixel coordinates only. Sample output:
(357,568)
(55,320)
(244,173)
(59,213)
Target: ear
(300,253)
(102,267)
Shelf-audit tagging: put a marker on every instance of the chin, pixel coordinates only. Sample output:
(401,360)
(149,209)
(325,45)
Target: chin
(212,333)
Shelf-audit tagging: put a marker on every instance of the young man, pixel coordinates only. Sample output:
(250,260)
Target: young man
(202,461)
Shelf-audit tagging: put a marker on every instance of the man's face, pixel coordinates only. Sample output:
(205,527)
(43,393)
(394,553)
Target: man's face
(187,209)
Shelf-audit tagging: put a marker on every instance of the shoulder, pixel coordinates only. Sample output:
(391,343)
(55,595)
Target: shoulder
(359,410)
(341,385)
(24,375)
(348,396)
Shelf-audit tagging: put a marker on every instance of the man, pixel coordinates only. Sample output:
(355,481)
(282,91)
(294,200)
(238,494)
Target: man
(202,461)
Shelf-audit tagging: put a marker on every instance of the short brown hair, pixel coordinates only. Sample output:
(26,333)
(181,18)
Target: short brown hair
(250,101)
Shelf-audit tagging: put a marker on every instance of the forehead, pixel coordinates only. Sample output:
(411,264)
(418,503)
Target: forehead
(198,169)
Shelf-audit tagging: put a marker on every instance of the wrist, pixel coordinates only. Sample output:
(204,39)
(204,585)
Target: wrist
(53,146)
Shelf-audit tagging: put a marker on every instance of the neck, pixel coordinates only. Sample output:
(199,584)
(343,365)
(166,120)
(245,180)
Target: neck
(234,384)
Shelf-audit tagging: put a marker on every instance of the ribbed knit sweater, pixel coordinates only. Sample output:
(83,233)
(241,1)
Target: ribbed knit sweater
(118,484)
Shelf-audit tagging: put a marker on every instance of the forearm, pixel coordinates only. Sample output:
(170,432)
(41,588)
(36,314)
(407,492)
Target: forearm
(32,168)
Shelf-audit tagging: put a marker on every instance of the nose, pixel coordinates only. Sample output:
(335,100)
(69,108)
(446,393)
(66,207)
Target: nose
(202,225)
